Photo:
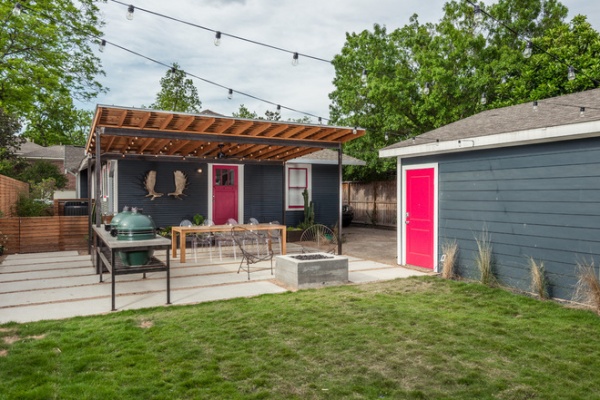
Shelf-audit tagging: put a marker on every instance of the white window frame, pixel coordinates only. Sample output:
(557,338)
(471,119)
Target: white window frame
(308,168)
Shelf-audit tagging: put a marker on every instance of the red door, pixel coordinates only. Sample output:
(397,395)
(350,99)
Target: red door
(225,193)
(419,216)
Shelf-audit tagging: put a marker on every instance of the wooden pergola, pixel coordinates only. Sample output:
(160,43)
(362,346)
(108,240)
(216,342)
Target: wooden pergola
(133,133)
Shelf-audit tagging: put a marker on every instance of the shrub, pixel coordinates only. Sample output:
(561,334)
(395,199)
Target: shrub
(27,207)
(484,260)
(588,286)
(539,283)
(450,250)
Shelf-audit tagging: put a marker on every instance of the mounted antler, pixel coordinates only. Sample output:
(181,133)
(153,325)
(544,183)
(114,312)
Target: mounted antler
(149,183)
(180,184)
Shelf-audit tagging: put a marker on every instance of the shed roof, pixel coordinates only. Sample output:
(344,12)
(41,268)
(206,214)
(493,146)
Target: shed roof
(141,133)
(556,118)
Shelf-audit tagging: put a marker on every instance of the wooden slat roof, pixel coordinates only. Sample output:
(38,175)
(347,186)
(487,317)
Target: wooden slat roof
(132,132)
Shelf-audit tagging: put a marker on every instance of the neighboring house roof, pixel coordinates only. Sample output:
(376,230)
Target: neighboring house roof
(327,157)
(70,155)
(556,118)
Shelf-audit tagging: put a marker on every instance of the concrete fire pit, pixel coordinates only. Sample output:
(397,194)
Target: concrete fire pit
(313,270)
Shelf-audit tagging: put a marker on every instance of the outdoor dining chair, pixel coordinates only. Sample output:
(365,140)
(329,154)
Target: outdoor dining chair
(203,240)
(251,252)
(225,238)
(319,238)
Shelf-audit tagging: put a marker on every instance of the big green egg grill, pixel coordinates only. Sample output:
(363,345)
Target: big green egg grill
(135,226)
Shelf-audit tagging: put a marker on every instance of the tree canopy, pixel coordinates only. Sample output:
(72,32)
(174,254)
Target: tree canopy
(177,92)
(46,61)
(422,76)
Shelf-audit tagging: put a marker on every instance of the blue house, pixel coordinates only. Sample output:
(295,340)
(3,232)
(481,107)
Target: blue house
(528,175)
(175,165)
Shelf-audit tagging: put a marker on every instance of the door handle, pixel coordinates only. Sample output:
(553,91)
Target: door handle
(407,222)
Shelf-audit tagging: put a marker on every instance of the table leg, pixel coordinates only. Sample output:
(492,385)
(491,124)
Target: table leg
(168,279)
(283,239)
(182,247)
(112,283)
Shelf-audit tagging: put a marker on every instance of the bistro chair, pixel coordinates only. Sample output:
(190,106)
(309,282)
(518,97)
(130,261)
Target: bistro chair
(275,235)
(226,238)
(319,238)
(203,240)
(253,249)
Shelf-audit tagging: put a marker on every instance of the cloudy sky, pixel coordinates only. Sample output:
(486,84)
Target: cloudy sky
(313,27)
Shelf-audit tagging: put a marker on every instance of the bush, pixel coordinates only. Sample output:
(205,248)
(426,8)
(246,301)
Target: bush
(27,207)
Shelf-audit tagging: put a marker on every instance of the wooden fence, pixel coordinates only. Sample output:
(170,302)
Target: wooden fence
(374,203)
(9,193)
(44,234)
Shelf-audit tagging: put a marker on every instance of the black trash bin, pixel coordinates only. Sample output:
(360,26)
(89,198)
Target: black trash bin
(75,208)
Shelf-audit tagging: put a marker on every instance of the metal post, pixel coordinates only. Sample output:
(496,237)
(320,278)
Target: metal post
(340,199)
(98,171)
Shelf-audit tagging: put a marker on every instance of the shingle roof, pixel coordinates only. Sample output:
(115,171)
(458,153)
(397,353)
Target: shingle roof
(327,156)
(555,111)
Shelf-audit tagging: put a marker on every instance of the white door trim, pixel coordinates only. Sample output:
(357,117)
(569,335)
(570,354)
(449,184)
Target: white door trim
(401,217)
(240,190)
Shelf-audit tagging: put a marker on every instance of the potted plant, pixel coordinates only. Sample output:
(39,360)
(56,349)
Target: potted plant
(294,233)
(198,219)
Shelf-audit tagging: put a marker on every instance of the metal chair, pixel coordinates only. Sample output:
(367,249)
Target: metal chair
(319,238)
(255,251)
(275,235)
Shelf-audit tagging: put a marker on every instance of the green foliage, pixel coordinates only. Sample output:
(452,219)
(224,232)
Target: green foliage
(42,171)
(10,142)
(198,219)
(177,93)
(59,123)
(244,112)
(309,212)
(46,60)
(459,60)
(27,206)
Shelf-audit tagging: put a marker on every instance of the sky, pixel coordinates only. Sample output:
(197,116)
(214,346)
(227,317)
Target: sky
(313,27)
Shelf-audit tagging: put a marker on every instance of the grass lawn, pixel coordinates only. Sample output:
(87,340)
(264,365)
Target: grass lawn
(418,338)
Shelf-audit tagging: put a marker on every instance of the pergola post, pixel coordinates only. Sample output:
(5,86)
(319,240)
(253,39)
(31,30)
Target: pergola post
(340,199)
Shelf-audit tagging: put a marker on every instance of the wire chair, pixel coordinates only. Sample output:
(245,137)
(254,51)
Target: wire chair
(319,238)
(253,251)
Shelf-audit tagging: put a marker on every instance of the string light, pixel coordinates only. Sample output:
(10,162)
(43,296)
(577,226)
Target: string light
(295,60)
(217,38)
(130,11)
(17,9)
(582,112)
(354,130)
(364,76)
(571,73)
(230,94)
(535,105)
(102,46)
(483,100)
(478,16)
(426,89)
(528,50)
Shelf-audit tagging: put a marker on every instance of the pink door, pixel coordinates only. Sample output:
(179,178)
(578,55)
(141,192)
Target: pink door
(419,217)
(225,193)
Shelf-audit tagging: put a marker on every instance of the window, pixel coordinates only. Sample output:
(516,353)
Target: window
(298,180)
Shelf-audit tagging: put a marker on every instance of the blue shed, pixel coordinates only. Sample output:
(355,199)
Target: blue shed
(527,175)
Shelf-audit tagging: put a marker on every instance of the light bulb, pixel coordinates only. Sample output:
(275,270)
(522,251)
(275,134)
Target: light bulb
(478,16)
(386,136)
(571,74)
(528,50)
(130,11)
(535,105)
(17,9)
(426,89)
(483,99)
(217,38)
(278,108)
(102,46)
(354,130)
(364,76)
(582,111)
(230,94)
(295,60)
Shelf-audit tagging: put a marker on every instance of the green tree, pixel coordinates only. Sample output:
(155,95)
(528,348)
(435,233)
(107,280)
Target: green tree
(41,171)
(422,76)
(10,141)
(46,57)
(177,93)
(244,112)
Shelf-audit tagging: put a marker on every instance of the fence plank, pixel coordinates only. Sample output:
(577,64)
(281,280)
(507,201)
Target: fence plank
(374,203)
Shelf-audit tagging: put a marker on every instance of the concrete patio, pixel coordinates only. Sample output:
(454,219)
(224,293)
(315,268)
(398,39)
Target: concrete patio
(60,285)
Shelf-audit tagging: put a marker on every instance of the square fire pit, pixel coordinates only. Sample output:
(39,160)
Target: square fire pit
(313,270)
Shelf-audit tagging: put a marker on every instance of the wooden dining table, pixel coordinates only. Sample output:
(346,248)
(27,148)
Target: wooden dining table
(180,232)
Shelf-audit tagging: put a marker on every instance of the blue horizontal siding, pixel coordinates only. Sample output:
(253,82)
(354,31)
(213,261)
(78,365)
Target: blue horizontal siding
(539,201)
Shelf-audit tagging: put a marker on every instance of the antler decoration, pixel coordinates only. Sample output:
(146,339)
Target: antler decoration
(181,184)
(149,183)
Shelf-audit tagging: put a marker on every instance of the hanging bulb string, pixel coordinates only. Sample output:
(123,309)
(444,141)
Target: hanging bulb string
(533,45)
(223,34)
(228,88)
(103,42)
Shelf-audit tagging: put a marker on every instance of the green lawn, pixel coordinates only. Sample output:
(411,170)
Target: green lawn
(418,338)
